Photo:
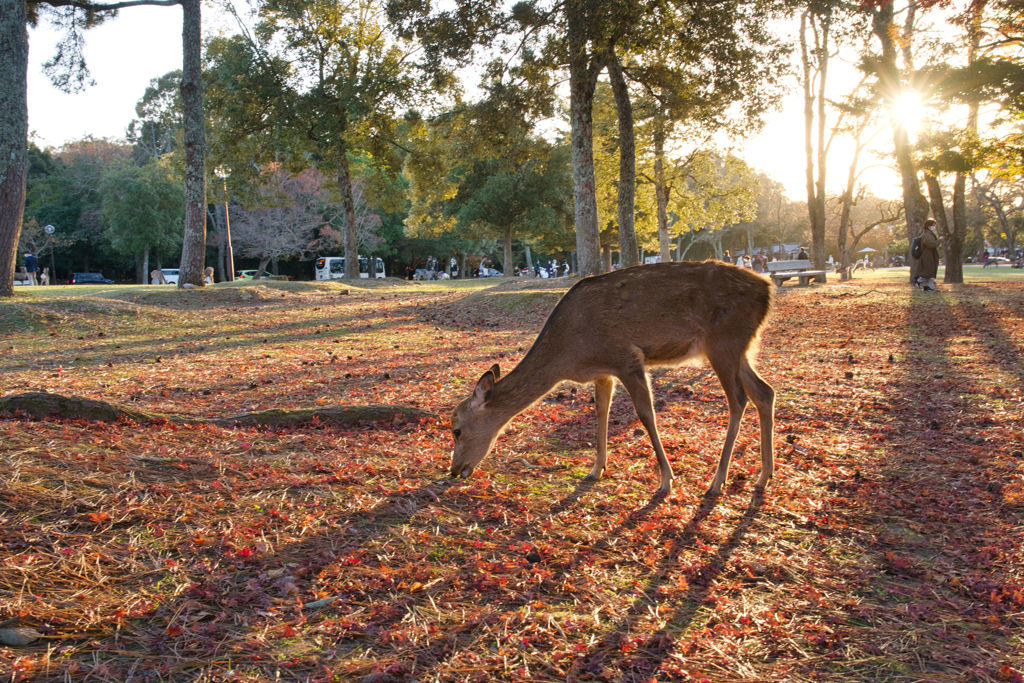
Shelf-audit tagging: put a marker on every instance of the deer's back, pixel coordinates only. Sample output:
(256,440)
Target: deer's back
(667,311)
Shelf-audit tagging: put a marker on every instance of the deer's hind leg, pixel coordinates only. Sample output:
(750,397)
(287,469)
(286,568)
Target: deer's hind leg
(728,371)
(763,396)
(639,387)
(603,389)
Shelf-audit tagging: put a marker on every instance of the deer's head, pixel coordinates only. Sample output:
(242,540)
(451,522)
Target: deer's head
(474,427)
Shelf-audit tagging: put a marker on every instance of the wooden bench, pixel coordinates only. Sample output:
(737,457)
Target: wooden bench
(783,270)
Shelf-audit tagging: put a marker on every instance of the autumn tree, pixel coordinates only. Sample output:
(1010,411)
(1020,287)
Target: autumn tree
(283,218)
(480,172)
(579,37)
(1001,196)
(719,193)
(891,66)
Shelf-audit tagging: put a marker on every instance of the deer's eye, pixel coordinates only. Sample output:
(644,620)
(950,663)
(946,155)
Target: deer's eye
(456,433)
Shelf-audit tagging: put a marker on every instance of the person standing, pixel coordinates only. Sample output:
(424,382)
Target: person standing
(802,256)
(31,267)
(924,269)
(726,256)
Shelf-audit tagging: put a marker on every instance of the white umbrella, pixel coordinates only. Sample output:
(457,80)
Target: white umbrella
(866,249)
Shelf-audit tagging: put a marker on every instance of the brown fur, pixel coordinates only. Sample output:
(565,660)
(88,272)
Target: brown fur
(613,327)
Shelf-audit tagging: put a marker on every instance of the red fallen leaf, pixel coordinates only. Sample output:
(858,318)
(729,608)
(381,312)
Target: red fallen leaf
(99,517)
(288,632)
(174,630)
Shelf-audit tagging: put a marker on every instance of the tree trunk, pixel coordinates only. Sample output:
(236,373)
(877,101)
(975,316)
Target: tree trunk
(606,257)
(262,267)
(815,185)
(582,82)
(915,205)
(193,253)
(628,251)
(213,215)
(43,406)
(348,211)
(958,235)
(529,260)
(661,189)
(13,135)
(506,252)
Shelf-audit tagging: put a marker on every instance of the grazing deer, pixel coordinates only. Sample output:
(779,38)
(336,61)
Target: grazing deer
(157,277)
(208,275)
(613,327)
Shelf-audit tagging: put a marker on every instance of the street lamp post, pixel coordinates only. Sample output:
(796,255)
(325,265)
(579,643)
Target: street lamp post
(53,272)
(223,172)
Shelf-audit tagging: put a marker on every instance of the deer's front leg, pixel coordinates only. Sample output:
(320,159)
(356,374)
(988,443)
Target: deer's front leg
(603,387)
(639,388)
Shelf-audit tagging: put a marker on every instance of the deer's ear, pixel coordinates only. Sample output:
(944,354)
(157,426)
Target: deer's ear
(496,371)
(484,387)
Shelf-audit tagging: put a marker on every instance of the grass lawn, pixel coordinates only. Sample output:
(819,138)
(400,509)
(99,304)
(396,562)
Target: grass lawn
(887,548)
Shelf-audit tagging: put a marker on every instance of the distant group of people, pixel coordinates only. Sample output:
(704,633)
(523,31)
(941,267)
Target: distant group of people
(757,263)
(549,270)
(33,273)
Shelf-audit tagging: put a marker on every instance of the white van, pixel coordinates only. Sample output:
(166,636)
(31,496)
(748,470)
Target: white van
(171,275)
(333,267)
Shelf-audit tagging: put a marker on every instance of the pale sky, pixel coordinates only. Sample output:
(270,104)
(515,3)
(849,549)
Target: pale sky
(143,43)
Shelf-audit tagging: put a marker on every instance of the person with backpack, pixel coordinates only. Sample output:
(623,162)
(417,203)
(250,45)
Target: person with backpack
(924,258)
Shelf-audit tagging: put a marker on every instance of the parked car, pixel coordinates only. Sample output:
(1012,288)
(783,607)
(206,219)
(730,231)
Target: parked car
(171,275)
(250,274)
(490,272)
(89,279)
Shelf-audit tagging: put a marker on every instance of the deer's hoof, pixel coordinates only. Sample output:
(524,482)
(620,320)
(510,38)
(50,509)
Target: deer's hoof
(592,477)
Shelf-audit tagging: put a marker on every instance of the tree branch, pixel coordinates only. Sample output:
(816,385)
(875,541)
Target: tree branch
(96,7)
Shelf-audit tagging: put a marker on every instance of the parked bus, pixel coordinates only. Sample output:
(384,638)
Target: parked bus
(333,267)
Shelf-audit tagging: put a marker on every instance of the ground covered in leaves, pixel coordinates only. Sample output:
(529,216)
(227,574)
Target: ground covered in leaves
(888,547)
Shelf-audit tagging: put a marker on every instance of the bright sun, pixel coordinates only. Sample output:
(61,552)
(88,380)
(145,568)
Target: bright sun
(909,111)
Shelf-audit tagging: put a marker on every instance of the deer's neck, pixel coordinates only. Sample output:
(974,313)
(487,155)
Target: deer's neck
(529,381)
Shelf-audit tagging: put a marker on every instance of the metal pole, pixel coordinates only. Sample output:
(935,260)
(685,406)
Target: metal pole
(230,255)
(49,229)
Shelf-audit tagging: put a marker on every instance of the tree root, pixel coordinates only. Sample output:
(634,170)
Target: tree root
(42,405)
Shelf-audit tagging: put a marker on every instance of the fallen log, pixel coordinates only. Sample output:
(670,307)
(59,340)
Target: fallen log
(42,405)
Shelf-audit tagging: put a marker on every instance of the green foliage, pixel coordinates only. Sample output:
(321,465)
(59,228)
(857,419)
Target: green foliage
(63,190)
(143,208)
(473,182)
(158,129)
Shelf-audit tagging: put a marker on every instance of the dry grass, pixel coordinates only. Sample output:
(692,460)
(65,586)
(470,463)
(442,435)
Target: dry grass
(887,549)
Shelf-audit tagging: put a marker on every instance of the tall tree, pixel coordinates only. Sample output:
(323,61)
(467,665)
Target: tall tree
(142,211)
(13,134)
(283,218)
(815,21)
(480,172)
(193,252)
(327,80)
(895,43)
(579,36)
(68,71)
